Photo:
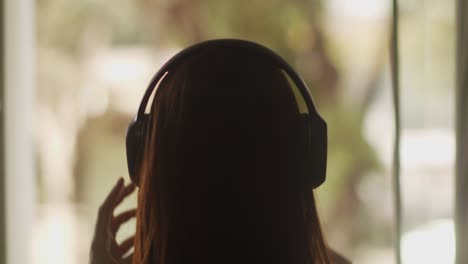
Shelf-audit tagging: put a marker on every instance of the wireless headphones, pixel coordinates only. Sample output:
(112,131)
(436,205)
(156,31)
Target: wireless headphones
(313,136)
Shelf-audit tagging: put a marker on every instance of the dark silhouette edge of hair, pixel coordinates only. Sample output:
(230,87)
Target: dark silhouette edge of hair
(180,118)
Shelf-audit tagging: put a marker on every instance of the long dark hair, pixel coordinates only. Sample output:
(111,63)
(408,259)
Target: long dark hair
(219,178)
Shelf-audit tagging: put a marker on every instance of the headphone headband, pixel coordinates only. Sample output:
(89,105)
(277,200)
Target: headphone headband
(234,43)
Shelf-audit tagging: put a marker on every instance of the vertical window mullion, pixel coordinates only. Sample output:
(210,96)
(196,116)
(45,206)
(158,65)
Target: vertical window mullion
(461,163)
(395,68)
(2,143)
(19,42)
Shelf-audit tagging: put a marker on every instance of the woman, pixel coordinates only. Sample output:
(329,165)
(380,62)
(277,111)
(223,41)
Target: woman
(218,182)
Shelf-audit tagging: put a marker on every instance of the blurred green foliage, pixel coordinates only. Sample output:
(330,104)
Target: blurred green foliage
(67,29)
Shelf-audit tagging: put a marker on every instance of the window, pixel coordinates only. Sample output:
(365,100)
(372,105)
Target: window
(74,79)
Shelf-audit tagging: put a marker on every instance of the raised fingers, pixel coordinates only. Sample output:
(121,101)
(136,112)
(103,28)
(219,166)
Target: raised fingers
(128,260)
(126,245)
(121,218)
(106,209)
(112,196)
(126,191)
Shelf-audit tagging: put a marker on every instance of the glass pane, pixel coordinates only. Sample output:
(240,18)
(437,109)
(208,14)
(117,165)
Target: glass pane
(428,143)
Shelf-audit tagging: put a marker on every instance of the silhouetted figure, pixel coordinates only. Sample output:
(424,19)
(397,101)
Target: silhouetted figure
(221,176)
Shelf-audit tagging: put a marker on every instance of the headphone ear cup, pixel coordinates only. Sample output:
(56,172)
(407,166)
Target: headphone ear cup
(135,146)
(315,147)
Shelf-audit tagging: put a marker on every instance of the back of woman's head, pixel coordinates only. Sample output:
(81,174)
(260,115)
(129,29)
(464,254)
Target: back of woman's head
(219,181)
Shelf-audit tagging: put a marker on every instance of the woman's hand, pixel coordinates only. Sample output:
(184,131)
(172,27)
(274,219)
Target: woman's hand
(104,248)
